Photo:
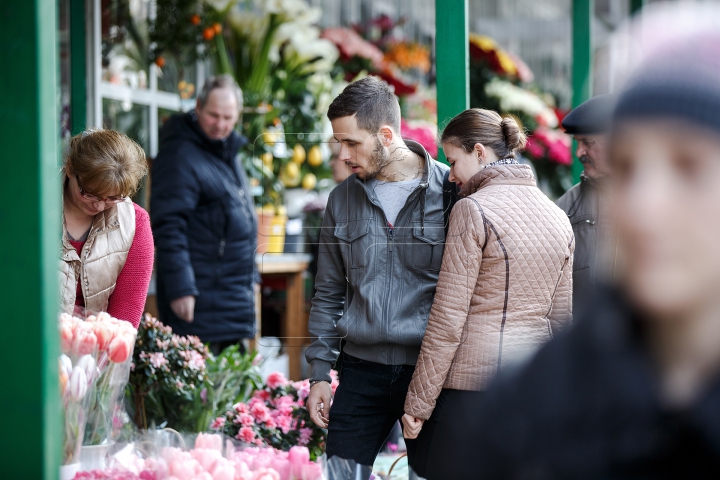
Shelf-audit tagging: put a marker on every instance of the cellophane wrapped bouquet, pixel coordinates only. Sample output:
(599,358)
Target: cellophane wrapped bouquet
(276,416)
(109,342)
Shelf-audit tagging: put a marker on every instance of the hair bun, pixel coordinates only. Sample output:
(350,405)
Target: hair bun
(514,137)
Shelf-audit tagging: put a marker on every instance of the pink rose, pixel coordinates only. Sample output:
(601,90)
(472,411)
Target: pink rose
(119,349)
(276,380)
(246,434)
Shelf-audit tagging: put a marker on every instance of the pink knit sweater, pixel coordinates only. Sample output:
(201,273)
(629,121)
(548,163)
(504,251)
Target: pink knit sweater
(127,301)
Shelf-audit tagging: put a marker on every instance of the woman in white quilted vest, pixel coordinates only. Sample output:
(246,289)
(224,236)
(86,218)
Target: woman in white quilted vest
(505,285)
(107,244)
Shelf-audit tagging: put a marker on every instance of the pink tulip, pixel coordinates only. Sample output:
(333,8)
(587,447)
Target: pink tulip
(102,317)
(223,470)
(266,474)
(87,363)
(105,332)
(282,466)
(209,440)
(203,476)
(206,457)
(84,341)
(298,457)
(119,349)
(77,385)
(312,471)
(66,337)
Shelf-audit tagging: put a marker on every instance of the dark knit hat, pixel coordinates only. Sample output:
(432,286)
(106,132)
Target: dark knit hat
(591,117)
(689,90)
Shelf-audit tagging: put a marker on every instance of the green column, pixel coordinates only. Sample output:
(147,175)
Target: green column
(451,60)
(582,15)
(78,77)
(30,414)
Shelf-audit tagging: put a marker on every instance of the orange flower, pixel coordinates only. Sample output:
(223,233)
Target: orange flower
(195,19)
(209,33)
(160,62)
(217,27)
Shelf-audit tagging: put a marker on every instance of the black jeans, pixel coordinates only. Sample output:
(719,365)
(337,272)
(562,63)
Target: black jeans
(368,402)
(438,437)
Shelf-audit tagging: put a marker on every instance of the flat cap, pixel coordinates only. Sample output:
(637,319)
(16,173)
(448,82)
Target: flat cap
(591,117)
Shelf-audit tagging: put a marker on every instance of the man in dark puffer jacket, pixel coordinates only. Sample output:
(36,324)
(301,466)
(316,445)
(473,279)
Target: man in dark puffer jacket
(204,222)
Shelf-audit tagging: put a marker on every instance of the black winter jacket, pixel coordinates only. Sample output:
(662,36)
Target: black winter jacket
(205,231)
(586,407)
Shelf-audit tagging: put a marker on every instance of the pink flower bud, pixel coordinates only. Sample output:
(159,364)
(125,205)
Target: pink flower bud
(84,341)
(105,332)
(77,385)
(119,349)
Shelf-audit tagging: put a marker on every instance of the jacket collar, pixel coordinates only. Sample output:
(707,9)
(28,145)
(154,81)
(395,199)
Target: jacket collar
(499,175)
(226,149)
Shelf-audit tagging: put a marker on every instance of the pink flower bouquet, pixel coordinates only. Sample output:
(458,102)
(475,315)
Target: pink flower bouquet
(275,416)
(111,342)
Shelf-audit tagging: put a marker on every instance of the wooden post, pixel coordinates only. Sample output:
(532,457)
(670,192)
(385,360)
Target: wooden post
(30,411)
(451,60)
(582,15)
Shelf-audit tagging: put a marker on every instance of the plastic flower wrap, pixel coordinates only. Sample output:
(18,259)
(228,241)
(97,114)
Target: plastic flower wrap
(275,416)
(115,341)
(78,373)
(209,460)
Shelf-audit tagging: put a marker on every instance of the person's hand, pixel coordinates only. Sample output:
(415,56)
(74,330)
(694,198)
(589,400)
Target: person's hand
(318,403)
(184,307)
(412,426)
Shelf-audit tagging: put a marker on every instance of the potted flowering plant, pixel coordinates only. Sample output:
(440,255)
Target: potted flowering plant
(275,416)
(168,373)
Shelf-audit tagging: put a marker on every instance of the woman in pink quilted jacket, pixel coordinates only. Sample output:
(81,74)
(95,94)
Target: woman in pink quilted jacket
(505,285)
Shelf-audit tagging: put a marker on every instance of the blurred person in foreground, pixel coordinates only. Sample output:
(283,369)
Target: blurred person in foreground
(381,246)
(107,244)
(505,285)
(204,221)
(633,389)
(586,203)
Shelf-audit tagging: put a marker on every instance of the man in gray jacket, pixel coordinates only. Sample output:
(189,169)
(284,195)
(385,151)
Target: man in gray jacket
(584,203)
(381,247)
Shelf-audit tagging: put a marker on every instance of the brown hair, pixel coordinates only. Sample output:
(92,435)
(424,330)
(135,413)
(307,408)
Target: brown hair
(373,103)
(487,127)
(107,162)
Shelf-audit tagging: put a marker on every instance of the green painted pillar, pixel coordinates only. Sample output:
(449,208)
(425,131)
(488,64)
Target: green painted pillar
(78,77)
(636,6)
(30,413)
(582,15)
(451,60)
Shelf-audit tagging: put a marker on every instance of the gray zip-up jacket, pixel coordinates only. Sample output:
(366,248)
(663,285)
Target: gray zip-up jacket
(375,285)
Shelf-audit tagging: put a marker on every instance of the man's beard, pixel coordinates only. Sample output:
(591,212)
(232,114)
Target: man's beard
(379,159)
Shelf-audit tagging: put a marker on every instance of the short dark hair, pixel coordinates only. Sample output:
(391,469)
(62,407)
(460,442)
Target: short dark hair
(373,103)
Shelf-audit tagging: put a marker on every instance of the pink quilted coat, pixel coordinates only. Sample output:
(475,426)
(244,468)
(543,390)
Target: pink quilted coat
(505,285)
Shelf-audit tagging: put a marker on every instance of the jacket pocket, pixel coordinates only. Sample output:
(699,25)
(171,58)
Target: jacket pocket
(354,241)
(427,246)
(584,229)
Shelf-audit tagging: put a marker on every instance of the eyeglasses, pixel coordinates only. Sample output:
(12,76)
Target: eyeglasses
(94,198)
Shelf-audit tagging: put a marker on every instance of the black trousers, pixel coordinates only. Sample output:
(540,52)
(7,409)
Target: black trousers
(438,440)
(368,402)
